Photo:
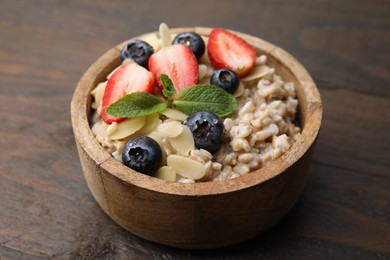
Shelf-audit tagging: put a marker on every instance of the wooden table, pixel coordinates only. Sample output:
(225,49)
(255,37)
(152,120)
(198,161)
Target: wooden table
(46,210)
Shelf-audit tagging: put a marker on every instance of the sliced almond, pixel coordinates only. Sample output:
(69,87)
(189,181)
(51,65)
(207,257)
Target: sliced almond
(170,129)
(127,127)
(240,90)
(186,167)
(151,122)
(111,128)
(173,35)
(98,92)
(174,114)
(153,40)
(165,36)
(166,173)
(158,138)
(202,71)
(206,40)
(261,60)
(256,73)
(184,142)
(100,128)
(205,57)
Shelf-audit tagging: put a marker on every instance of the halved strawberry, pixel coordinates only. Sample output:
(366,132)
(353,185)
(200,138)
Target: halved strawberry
(178,62)
(128,78)
(228,50)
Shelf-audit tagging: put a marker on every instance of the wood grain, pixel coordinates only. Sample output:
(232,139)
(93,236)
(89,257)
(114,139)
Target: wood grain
(46,210)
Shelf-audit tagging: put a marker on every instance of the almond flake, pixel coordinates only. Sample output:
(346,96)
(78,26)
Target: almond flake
(127,127)
(158,138)
(165,36)
(151,122)
(256,73)
(100,128)
(205,57)
(166,173)
(174,114)
(240,90)
(98,92)
(202,71)
(153,41)
(111,128)
(186,167)
(170,129)
(184,142)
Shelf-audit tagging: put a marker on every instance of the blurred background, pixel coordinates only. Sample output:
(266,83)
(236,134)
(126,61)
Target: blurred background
(46,210)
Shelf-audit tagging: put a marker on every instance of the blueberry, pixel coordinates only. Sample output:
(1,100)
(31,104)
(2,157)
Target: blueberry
(139,51)
(192,40)
(207,130)
(226,79)
(142,154)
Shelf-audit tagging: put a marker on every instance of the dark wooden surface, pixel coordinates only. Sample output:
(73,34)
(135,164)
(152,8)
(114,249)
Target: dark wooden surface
(46,210)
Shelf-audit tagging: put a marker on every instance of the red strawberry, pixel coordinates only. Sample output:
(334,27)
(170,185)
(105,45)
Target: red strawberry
(128,78)
(178,62)
(228,50)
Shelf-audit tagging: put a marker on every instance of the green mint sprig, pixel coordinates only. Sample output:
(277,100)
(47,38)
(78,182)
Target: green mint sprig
(169,89)
(136,104)
(189,100)
(205,97)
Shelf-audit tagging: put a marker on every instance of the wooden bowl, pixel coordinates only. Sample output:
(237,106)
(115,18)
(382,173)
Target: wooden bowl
(198,215)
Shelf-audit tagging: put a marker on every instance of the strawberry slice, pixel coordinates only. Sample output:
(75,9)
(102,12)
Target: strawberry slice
(178,62)
(228,50)
(128,78)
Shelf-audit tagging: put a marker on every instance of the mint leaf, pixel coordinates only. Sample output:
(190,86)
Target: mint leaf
(205,97)
(169,89)
(136,104)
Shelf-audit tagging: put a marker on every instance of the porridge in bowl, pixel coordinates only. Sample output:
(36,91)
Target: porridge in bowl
(256,120)
(242,117)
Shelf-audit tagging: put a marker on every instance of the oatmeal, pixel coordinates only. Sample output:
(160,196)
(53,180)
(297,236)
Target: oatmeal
(261,129)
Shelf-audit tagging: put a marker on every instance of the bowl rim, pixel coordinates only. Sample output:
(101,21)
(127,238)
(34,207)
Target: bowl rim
(80,107)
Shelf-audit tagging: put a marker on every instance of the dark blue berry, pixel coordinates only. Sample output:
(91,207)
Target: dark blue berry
(192,40)
(142,154)
(139,51)
(226,79)
(207,130)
